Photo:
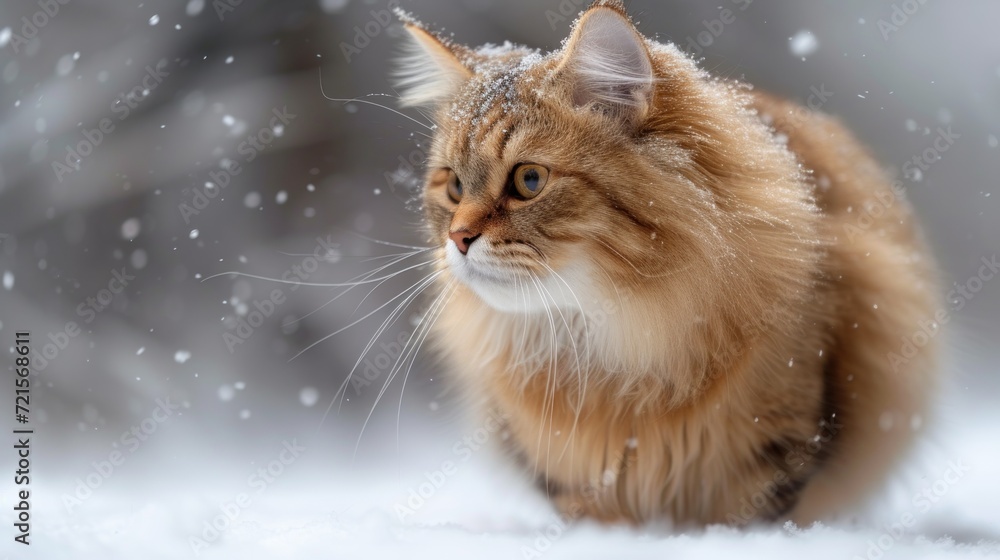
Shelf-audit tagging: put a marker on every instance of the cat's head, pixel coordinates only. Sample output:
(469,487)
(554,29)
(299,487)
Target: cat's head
(612,169)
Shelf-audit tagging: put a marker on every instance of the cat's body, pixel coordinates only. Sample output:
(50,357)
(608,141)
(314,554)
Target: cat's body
(684,318)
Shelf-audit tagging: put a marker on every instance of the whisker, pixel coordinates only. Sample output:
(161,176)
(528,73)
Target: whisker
(427,330)
(369,257)
(417,289)
(412,343)
(548,402)
(635,268)
(389,243)
(346,290)
(342,329)
(317,284)
(580,374)
(389,321)
(390,109)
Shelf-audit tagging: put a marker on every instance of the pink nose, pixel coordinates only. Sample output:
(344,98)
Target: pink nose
(463,238)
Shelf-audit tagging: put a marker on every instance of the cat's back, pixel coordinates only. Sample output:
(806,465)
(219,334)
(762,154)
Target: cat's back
(884,308)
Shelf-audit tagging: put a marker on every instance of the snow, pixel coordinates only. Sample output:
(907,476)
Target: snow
(139,259)
(252,199)
(194,7)
(322,507)
(332,6)
(66,65)
(803,43)
(226,393)
(131,228)
(308,396)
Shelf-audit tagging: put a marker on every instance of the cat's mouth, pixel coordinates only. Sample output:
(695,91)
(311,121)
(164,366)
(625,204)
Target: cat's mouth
(508,283)
(481,266)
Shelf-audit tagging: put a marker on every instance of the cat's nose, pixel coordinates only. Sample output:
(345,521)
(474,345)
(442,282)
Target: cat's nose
(463,238)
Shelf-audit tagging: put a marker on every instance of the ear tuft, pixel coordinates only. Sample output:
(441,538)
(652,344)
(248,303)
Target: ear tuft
(431,69)
(609,63)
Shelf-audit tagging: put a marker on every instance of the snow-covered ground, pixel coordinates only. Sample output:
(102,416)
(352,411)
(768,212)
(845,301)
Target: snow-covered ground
(313,506)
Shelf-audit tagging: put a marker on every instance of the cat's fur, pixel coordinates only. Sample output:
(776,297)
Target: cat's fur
(696,319)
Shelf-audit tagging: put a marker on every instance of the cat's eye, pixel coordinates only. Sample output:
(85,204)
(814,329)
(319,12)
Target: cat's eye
(454,186)
(530,179)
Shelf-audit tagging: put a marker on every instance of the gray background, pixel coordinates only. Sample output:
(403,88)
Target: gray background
(63,238)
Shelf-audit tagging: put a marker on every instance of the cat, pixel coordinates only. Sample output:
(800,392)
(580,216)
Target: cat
(686,298)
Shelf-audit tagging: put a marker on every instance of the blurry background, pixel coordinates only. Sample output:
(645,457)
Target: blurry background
(182,87)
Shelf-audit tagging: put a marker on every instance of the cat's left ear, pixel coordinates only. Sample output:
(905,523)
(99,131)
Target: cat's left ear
(432,69)
(608,63)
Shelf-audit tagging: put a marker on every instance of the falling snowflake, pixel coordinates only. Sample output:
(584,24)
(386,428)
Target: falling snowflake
(803,43)
(308,396)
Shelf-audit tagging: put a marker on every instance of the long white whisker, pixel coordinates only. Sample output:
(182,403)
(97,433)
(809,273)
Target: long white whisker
(580,374)
(587,351)
(389,243)
(548,403)
(390,109)
(389,321)
(416,290)
(342,329)
(318,284)
(413,343)
(427,330)
(364,276)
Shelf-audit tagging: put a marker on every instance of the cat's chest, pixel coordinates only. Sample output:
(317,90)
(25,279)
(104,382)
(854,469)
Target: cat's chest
(614,460)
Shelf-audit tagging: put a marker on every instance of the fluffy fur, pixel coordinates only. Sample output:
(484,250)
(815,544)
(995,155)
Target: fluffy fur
(690,321)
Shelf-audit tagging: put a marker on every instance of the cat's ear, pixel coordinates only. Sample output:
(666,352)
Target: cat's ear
(431,69)
(608,63)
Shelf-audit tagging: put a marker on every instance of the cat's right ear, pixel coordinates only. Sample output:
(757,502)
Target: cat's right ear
(431,70)
(608,63)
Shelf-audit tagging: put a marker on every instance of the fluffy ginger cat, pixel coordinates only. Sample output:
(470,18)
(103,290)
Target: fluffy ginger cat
(687,299)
